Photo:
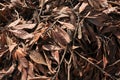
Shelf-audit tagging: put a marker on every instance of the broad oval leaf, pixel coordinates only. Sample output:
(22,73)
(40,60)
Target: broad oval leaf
(61,36)
(37,57)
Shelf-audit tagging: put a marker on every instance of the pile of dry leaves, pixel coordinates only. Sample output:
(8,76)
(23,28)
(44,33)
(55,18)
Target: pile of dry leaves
(59,40)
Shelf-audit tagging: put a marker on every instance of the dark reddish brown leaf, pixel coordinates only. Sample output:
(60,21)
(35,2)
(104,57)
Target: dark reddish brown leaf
(61,36)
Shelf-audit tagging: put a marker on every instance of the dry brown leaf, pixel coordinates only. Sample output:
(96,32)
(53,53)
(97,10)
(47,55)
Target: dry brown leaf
(103,3)
(10,44)
(79,32)
(117,34)
(24,74)
(37,57)
(23,62)
(51,47)
(40,78)
(61,16)
(82,7)
(48,61)
(67,25)
(24,26)
(14,23)
(105,61)
(61,36)
(56,56)
(20,55)
(11,69)
(22,34)
(31,73)
(109,10)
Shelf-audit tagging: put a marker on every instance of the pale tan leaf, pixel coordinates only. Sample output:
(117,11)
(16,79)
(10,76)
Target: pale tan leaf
(79,32)
(51,47)
(23,61)
(14,23)
(37,57)
(67,25)
(37,35)
(75,47)
(31,73)
(24,26)
(105,61)
(48,61)
(109,10)
(40,78)
(117,34)
(11,69)
(56,56)
(64,10)
(82,7)
(20,67)
(22,34)
(11,44)
(24,74)
(103,3)
(20,55)
(61,16)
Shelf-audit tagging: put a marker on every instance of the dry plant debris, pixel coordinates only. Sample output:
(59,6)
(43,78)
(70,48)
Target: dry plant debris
(59,40)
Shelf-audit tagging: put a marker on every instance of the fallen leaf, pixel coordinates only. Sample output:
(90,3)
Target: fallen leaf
(24,26)
(24,74)
(40,78)
(31,73)
(67,25)
(105,61)
(56,56)
(82,7)
(61,36)
(10,44)
(51,47)
(22,34)
(37,57)
(14,23)
(79,32)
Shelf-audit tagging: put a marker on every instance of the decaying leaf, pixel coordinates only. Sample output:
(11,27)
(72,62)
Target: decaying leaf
(67,25)
(82,7)
(61,36)
(56,55)
(24,26)
(22,34)
(40,78)
(59,39)
(11,44)
(14,23)
(51,47)
(105,61)
(37,57)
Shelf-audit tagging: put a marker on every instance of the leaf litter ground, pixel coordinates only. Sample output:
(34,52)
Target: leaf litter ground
(60,40)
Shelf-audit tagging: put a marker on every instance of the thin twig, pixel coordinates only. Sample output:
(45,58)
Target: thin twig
(58,68)
(104,72)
